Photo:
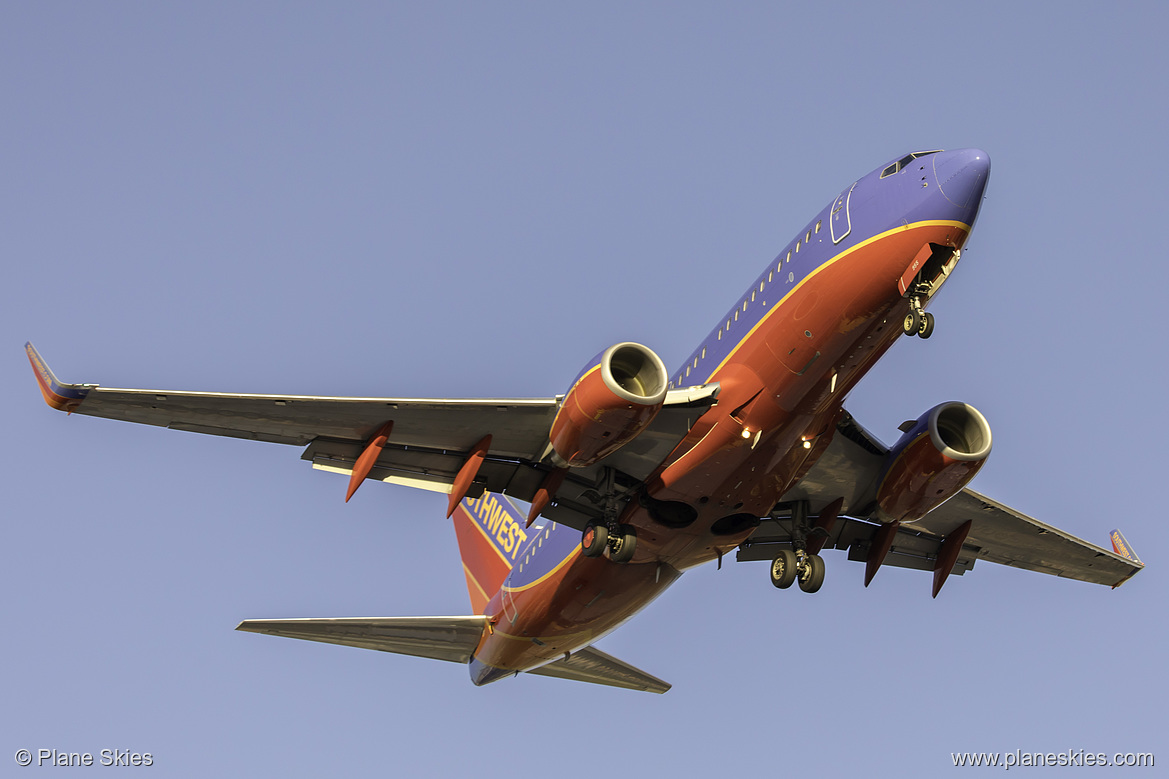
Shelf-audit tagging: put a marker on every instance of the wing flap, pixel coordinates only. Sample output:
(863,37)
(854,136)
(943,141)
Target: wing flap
(441,638)
(594,666)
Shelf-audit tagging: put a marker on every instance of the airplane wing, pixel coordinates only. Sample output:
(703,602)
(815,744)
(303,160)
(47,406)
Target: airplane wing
(997,534)
(452,639)
(431,438)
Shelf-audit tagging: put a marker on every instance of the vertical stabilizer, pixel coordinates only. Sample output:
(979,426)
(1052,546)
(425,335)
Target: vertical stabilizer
(490,530)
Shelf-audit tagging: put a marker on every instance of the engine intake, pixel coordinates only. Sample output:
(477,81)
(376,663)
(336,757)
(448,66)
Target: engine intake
(614,398)
(933,461)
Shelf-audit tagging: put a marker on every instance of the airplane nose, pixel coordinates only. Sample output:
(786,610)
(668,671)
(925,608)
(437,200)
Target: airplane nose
(962,175)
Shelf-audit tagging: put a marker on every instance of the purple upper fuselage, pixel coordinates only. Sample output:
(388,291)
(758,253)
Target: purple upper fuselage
(917,187)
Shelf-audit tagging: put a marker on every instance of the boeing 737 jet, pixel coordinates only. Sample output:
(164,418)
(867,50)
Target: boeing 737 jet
(636,474)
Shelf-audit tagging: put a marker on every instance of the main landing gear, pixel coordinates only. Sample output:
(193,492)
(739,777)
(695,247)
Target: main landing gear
(798,564)
(620,540)
(790,567)
(918,321)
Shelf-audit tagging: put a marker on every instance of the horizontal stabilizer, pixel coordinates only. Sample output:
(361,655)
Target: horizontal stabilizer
(448,638)
(592,665)
(442,638)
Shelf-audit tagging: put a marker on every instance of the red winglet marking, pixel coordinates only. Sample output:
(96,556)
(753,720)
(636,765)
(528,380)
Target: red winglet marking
(467,474)
(63,397)
(365,462)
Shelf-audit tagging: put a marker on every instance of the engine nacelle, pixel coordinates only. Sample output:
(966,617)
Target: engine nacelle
(933,461)
(613,399)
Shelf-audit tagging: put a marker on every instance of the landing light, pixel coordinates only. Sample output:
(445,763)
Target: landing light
(746,433)
(807,444)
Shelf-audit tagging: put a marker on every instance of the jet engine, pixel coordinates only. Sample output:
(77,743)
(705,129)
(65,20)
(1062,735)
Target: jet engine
(613,399)
(933,461)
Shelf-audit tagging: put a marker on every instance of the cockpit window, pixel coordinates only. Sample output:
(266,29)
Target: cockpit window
(904,161)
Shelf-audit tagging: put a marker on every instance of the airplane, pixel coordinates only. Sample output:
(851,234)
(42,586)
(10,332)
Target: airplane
(636,474)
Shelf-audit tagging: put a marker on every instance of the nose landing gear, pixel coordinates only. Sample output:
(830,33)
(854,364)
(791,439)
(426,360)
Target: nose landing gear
(918,322)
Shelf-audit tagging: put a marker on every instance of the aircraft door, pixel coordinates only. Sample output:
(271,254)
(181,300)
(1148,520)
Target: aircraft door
(840,216)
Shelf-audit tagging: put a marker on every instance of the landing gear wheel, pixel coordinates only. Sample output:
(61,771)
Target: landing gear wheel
(812,577)
(927,326)
(594,540)
(621,551)
(911,325)
(783,569)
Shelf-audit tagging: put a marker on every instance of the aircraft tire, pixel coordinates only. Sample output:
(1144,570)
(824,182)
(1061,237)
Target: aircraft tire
(927,326)
(594,540)
(911,325)
(813,577)
(783,569)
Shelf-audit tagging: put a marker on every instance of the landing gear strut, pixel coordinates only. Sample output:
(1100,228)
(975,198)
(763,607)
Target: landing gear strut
(918,322)
(796,564)
(620,540)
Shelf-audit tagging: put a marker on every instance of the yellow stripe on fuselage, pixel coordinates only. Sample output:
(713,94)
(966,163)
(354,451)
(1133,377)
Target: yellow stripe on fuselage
(823,266)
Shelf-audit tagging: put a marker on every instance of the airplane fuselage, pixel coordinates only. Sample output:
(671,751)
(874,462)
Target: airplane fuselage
(785,356)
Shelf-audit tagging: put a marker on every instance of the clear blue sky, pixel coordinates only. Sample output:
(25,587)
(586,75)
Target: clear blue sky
(473,199)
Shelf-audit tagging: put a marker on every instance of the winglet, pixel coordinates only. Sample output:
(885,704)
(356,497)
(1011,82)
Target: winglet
(1121,546)
(63,397)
